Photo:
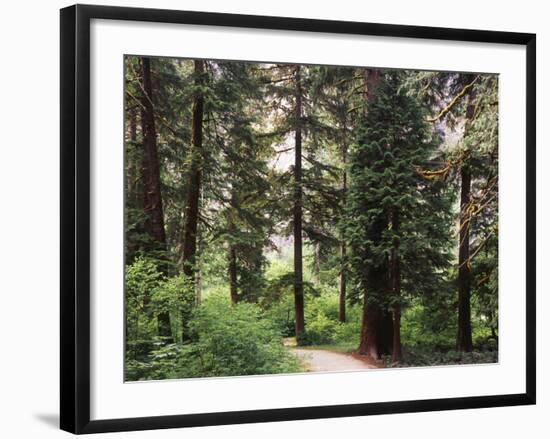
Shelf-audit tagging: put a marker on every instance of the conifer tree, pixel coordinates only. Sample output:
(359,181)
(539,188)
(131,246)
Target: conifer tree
(398,222)
(468,103)
(336,98)
(288,88)
(241,186)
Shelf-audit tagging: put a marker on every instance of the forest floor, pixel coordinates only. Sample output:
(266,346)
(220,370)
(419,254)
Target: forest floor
(322,360)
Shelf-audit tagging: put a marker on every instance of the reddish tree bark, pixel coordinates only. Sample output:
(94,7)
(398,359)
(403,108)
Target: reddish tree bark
(374,334)
(152,197)
(377,323)
(194,180)
(370,325)
(151,167)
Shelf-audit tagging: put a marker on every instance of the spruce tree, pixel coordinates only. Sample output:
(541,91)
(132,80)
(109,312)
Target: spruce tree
(398,222)
(241,187)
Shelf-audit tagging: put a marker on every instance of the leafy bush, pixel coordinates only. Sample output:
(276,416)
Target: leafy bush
(324,304)
(226,340)
(417,329)
(348,333)
(176,296)
(319,330)
(237,340)
(142,278)
(282,315)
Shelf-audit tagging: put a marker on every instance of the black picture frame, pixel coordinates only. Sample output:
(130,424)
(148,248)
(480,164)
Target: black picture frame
(75,217)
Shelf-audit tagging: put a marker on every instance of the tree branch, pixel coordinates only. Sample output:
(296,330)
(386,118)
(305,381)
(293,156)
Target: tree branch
(451,104)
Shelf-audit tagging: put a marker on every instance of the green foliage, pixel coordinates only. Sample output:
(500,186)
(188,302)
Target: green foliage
(281,314)
(323,327)
(176,296)
(320,330)
(427,356)
(422,328)
(391,207)
(254,347)
(141,280)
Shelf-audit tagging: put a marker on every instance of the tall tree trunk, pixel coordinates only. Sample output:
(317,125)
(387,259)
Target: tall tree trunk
(377,324)
(151,166)
(298,269)
(152,198)
(385,331)
(464,338)
(376,332)
(343,248)
(194,181)
(396,287)
(233,274)
(373,330)
(371,78)
(370,325)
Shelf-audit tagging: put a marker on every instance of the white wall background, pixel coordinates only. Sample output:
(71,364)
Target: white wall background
(29,206)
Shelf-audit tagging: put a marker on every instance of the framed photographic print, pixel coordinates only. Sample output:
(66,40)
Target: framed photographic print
(268,218)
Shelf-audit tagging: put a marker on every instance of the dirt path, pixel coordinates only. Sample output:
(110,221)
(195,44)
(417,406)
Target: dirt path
(317,360)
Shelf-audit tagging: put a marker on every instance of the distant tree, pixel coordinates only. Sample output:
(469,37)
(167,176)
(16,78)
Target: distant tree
(336,95)
(241,190)
(286,85)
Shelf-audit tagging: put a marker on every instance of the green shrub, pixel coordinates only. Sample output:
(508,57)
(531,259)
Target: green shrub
(141,280)
(282,315)
(319,330)
(417,329)
(252,347)
(324,304)
(176,296)
(237,340)
(226,340)
(348,333)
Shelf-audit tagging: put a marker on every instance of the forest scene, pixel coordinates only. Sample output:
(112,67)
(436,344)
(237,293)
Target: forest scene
(286,218)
